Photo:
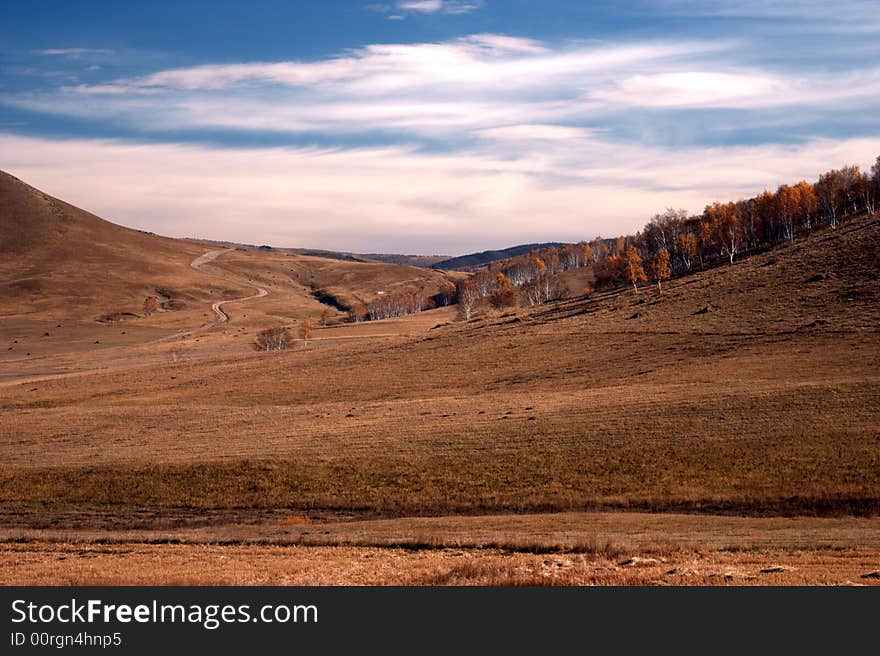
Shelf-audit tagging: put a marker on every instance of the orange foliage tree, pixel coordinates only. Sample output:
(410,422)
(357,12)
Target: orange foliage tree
(306,329)
(659,267)
(635,272)
(151,304)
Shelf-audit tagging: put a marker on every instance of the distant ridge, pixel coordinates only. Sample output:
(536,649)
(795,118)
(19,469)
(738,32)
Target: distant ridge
(485,257)
(424,261)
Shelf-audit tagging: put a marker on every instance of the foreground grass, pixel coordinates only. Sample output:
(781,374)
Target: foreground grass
(139,564)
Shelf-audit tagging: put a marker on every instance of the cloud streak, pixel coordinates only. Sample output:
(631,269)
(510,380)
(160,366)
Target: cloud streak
(402,8)
(71,52)
(455,89)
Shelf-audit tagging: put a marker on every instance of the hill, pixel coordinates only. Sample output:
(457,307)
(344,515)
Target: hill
(743,395)
(483,258)
(748,388)
(64,261)
(73,288)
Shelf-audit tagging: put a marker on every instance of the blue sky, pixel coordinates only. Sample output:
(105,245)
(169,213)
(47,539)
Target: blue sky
(429,126)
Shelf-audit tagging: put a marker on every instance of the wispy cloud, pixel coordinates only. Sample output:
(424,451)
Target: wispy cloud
(477,82)
(842,16)
(72,52)
(402,8)
(742,89)
(459,89)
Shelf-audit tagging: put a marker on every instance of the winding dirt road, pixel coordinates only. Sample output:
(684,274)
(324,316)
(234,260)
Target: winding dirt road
(222,315)
(210,256)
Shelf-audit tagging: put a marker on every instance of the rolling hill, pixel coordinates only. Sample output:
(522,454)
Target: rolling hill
(483,258)
(64,261)
(73,286)
(742,396)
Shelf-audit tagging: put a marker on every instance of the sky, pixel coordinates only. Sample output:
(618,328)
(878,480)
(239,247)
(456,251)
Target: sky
(429,126)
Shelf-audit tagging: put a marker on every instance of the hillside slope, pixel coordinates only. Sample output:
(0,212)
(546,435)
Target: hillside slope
(58,259)
(750,388)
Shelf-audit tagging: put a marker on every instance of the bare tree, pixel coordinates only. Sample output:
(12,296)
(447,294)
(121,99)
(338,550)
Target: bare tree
(468,298)
(273,339)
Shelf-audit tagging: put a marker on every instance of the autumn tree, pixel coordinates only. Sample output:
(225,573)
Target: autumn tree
(829,189)
(610,270)
(306,328)
(484,281)
(725,227)
(662,231)
(807,203)
(851,182)
(151,304)
(659,267)
(600,249)
(325,317)
(586,253)
(273,339)
(503,295)
(357,312)
(446,294)
(635,272)
(687,245)
(872,188)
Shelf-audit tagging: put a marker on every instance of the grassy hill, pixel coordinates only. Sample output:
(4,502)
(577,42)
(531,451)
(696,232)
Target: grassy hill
(750,388)
(58,259)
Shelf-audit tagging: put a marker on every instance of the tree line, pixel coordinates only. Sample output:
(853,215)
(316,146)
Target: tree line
(675,242)
(530,279)
(401,304)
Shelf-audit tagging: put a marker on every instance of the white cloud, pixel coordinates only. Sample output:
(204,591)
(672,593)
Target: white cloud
(401,8)
(399,199)
(741,89)
(535,132)
(426,6)
(477,82)
(72,52)
(449,89)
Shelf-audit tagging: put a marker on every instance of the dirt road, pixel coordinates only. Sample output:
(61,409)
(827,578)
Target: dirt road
(222,315)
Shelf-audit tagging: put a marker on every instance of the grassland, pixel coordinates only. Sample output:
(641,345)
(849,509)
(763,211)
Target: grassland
(744,393)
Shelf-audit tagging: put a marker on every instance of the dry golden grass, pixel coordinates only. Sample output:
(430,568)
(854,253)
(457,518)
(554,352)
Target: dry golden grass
(608,533)
(141,564)
(750,389)
(747,408)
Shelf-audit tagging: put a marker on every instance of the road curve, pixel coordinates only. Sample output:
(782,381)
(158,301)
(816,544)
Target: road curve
(210,256)
(222,315)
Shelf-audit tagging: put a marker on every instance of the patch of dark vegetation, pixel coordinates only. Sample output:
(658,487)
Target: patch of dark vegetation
(24,285)
(383,489)
(327,298)
(115,317)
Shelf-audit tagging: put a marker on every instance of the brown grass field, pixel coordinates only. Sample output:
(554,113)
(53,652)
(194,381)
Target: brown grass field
(525,447)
